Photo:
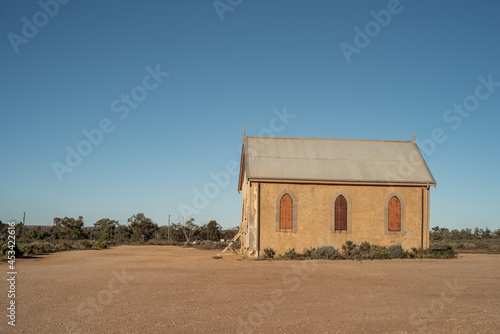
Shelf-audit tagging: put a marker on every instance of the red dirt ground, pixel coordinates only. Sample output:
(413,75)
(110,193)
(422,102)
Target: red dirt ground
(168,289)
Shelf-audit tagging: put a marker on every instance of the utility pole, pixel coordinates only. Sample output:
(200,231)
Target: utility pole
(168,231)
(24,226)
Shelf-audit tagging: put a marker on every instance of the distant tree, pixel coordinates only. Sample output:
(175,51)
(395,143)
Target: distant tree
(477,232)
(105,225)
(162,232)
(188,228)
(176,233)
(123,233)
(454,234)
(465,233)
(142,226)
(444,230)
(68,228)
(230,233)
(37,233)
(211,231)
(487,233)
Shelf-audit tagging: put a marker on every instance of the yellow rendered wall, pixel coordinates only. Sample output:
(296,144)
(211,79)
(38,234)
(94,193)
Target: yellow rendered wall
(314,213)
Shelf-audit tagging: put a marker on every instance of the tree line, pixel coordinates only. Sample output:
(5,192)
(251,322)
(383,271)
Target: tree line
(140,229)
(442,233)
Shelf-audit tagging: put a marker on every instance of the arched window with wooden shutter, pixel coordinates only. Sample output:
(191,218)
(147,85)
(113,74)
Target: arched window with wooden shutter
(394,214)
(340,213)
(286,212)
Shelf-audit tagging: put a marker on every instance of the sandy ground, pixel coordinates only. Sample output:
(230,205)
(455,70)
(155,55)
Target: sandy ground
(162,289)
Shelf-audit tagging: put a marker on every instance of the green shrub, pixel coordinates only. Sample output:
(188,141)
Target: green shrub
(307,253)
(364,249)
(395,251)
(269,253)
(61,247)
(443,253)
(100,245)
(47,247)
(378,252)
(326,252)
(219,245)
(418,253)
(350,250)
(291,254)
(28,249)
(4,249)
(105,237)
(408,255)
(33,233)
(481,244)
(85,244)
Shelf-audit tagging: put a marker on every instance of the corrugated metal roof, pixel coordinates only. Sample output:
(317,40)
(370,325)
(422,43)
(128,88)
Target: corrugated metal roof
(344,160)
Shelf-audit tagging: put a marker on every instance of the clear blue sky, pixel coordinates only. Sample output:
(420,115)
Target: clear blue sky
(229,66)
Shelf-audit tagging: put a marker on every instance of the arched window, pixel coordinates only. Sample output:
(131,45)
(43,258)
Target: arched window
(286,212)
(340,213)
(394,214)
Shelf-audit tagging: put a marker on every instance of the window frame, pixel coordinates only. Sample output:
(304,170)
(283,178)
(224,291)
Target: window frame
(349,212)
(403,213)
(294,211)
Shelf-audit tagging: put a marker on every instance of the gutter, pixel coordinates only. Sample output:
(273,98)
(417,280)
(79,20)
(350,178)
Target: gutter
(354,183)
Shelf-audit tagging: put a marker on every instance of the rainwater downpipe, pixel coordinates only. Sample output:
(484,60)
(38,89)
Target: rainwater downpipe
(423,220)
(258,219)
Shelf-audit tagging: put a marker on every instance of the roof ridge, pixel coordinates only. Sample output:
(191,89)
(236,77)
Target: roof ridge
(332,139)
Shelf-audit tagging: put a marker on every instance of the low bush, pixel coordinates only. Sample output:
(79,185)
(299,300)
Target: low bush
(269,253)
(350,250)
(28,249)
(205,244)
(364,249)
(378,252)
(443,253)
(105,237)
(46,247)
(219,245)
(481,244)
(395,251)
(325,252)
(100,245)
(85,244)
(4,249)
(291,254)
(407,255)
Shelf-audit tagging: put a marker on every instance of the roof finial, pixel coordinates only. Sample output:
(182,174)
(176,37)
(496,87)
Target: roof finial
(413,135)
(243,130)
